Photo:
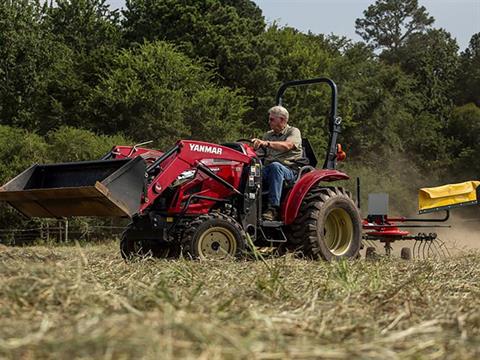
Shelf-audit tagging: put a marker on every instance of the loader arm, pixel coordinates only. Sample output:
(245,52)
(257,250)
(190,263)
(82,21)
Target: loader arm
(183,156)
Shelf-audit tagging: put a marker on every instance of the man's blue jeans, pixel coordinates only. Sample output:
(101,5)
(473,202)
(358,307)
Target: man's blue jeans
(273,176)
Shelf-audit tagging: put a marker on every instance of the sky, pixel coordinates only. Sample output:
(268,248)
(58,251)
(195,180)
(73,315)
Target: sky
(461,18)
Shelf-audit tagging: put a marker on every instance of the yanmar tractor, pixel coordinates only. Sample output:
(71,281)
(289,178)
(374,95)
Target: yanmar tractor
(201,199)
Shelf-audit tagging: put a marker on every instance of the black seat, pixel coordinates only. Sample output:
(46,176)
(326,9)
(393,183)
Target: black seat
(308,154)
(308,161)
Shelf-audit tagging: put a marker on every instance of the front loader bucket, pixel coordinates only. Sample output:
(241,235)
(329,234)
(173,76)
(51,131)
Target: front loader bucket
(89,188)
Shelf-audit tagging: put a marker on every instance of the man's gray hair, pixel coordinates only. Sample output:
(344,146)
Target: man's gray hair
(279,111)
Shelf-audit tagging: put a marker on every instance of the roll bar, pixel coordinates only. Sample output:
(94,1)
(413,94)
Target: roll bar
(334,123)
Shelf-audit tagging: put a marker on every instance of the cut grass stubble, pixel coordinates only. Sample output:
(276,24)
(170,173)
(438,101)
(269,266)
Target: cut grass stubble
(85,302)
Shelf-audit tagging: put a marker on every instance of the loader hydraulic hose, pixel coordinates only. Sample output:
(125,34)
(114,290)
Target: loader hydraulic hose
(162,158)
(214,176)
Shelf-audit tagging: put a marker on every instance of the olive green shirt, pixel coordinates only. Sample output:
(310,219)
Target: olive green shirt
(291,134)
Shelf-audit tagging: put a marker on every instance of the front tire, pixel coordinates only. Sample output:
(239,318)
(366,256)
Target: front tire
(328,225)
(214,236)
(131,247)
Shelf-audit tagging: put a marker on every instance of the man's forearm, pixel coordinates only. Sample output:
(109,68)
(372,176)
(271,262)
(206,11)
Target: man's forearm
(280,145)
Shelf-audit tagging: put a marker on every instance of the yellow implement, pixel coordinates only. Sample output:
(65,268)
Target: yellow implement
(448,196)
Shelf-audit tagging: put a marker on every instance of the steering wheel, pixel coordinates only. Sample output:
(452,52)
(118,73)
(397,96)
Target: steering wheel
(263,148)
(244,140)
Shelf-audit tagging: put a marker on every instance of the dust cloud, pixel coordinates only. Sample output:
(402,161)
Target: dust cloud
(464,234)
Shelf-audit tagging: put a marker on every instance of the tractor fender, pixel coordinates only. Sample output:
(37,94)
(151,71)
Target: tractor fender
(302,187)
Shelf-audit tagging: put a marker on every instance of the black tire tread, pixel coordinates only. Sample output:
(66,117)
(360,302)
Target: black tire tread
(304,229)
(188,235)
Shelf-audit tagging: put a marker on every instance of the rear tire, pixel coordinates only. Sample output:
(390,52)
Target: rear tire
(328,225)
(214,236)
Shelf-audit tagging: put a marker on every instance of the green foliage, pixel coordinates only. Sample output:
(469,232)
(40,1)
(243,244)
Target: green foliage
(156,93)
(84,25)
(72,144)
(227,36)
(302,56)
(468,79)
(28,58)
(464,128)
(19,149)
(432,59)
(226,33)
(388,23)
(91,33)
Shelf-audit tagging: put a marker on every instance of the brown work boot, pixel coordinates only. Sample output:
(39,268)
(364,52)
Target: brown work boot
(270,214)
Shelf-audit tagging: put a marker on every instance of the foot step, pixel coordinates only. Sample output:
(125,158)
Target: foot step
(271,224)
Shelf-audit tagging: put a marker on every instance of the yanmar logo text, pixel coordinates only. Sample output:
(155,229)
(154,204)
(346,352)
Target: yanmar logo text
(206,149)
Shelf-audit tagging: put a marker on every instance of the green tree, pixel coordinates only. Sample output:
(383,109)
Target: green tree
(387,24)
(91,33)
(85,25)
(227,36)
(71,144)
(19,149)
(432,59)
(303,56)
(464,129)
(156,93)
(468,78)
(29,59)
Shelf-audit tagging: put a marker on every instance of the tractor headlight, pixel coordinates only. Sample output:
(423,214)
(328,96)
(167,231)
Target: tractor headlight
(184,177)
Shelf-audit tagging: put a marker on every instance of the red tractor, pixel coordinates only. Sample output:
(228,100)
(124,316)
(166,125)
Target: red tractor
(201,199)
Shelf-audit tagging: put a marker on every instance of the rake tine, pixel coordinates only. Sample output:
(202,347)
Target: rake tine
(414,250)
(425,248)
(428,248)
(438,246)
(443,246)
(435,249)
(419,245)
(422,247)
(430,243)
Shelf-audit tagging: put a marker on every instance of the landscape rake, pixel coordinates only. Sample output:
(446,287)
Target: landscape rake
(379,227)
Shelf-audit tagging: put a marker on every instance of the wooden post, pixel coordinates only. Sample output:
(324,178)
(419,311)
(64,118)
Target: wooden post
(66,230)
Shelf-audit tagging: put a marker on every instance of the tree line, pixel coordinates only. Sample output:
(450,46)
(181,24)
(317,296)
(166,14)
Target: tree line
(77,77)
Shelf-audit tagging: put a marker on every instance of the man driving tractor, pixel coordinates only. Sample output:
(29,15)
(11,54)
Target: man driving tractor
(282,146)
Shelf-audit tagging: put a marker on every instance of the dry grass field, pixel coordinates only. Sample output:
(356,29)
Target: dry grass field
(84,302)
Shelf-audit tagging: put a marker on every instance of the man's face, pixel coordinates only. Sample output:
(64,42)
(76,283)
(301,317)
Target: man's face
(276,123)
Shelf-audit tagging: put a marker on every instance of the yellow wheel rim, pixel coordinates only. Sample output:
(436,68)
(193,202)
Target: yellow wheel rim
(216,243)
(338,232)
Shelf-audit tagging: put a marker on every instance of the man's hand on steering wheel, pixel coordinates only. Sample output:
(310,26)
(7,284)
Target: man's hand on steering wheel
(258,143)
